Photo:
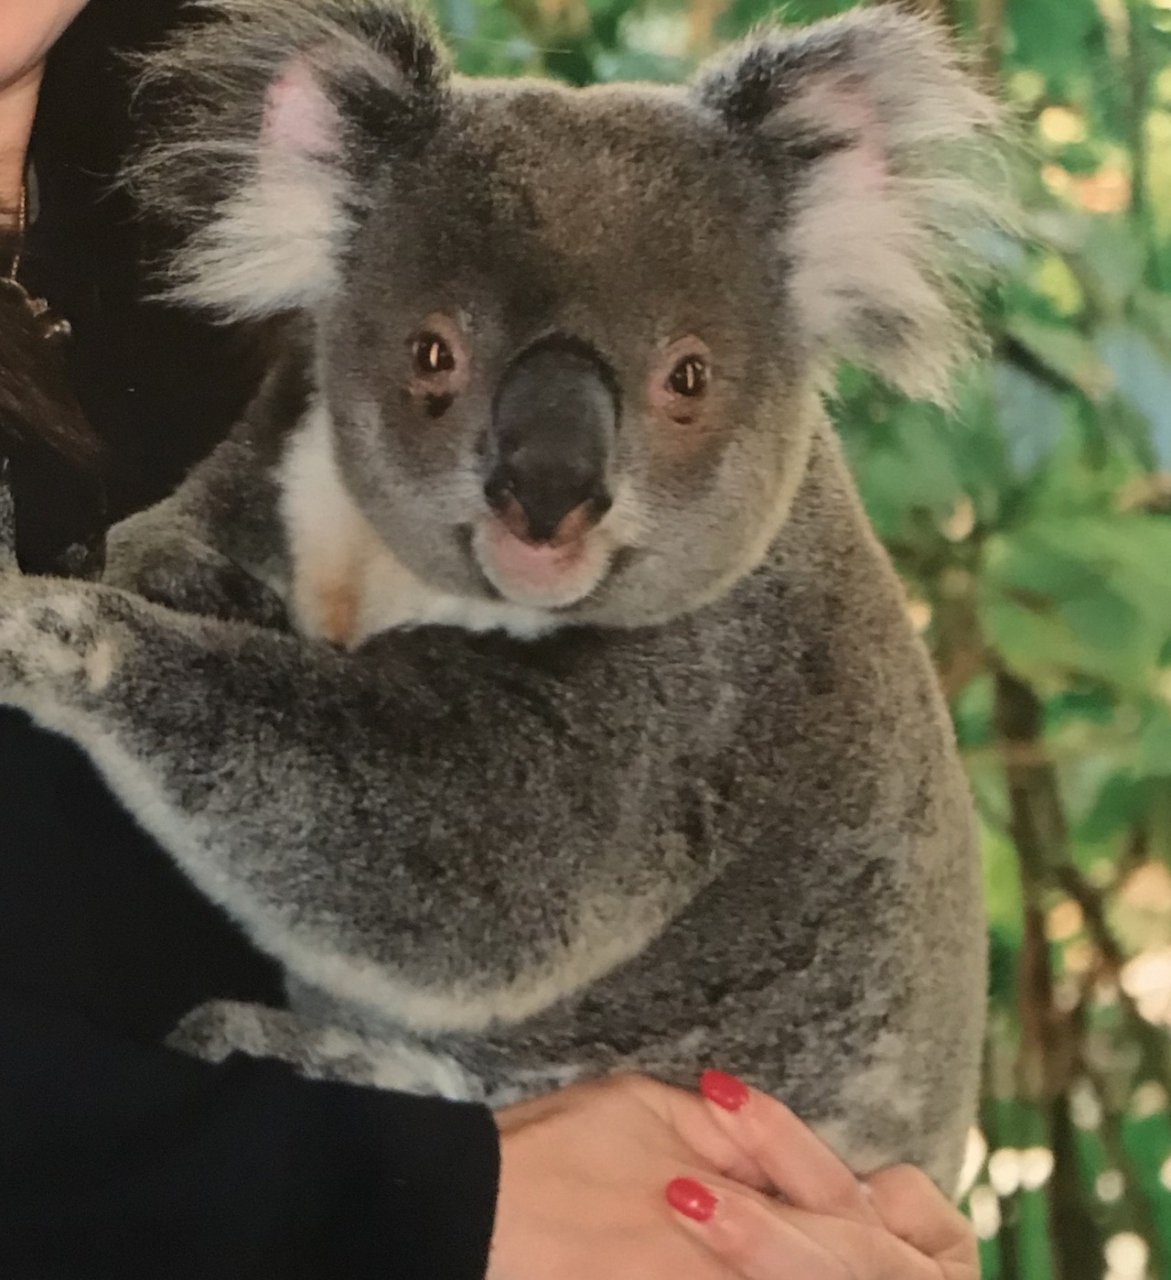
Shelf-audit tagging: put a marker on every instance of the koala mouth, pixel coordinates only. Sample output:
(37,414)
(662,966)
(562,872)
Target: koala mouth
(540,575)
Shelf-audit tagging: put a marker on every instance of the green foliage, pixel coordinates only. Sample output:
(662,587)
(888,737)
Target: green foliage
(1033,529)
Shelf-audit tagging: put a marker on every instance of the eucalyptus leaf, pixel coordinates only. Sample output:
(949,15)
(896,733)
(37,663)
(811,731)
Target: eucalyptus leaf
(1144,378)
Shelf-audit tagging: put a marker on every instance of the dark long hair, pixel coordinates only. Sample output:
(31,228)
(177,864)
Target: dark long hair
(46,438)
(37,407)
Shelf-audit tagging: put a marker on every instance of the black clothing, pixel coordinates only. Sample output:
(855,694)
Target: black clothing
(95,920)
(129,1163)
(119,1158)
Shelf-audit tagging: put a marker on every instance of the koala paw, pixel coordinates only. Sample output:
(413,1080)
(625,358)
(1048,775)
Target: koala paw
(51,638)
(50,632)
(209,585)
(219,1028)
(152,556)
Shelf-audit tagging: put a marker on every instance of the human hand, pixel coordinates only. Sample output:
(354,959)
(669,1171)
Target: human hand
(582,1194)
(893,1225)
(582,1180)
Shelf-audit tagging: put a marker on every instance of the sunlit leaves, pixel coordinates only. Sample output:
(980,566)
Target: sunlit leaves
(1076,597)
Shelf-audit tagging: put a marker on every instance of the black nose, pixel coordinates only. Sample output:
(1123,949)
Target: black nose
(553,427)
(536,502)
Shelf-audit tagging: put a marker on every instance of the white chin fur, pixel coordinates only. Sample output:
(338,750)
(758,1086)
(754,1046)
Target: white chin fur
(539,577)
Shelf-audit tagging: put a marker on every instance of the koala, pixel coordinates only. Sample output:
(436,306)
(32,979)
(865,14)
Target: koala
(522,673)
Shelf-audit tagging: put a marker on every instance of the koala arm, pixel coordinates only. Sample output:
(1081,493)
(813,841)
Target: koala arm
(205,549)
(216,546)
(368,818)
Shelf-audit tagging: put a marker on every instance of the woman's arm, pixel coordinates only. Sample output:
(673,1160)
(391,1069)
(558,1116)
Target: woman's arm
(120,1160)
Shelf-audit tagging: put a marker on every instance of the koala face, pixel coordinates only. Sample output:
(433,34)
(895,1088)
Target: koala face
(562,366)
(571,341)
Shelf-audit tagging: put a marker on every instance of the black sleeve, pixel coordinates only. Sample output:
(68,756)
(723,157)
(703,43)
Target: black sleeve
(120,1161)
(96,921)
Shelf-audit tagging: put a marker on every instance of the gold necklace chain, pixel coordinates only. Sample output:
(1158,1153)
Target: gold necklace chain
(21,221)
(53,327)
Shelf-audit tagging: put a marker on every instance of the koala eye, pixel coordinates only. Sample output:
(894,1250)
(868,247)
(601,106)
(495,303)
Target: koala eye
(689,377)
(679,379)
(432,354)
(439,364)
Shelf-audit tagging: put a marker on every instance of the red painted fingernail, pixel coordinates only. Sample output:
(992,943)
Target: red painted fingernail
(691,1198)
(724,1090)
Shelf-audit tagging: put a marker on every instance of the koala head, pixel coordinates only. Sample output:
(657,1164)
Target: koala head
(571,341)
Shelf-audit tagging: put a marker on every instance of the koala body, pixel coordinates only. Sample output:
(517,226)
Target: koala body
(523,673)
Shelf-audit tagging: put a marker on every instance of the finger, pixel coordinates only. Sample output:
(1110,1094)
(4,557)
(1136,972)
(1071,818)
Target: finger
(914,1209)
(798,1164)
(759,1240)
(692,1120)
(867,1249)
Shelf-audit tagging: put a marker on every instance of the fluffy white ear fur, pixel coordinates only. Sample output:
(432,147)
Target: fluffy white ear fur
(274,245)
(256,143)
(894,173)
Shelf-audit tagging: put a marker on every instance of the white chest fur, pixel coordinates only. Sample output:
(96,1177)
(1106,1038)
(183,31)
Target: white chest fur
(346,583)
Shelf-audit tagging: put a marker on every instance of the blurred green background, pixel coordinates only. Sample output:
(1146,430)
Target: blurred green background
(1033,529)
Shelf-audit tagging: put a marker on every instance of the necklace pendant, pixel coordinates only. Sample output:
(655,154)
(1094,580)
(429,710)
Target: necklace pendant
(52,327)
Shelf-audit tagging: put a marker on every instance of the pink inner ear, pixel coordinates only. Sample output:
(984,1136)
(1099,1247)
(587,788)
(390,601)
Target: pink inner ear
(870,157)
(843,106)
(298,115)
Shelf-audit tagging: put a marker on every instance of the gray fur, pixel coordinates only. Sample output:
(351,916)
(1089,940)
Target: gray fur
(709,813)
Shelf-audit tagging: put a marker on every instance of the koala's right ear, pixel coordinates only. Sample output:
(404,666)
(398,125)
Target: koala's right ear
(273,115)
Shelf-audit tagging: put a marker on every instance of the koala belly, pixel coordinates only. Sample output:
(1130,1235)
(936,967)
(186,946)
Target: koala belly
(855,1004)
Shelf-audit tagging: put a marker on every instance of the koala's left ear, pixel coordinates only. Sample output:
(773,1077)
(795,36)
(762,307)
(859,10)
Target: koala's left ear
(877,142)
(271,116)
